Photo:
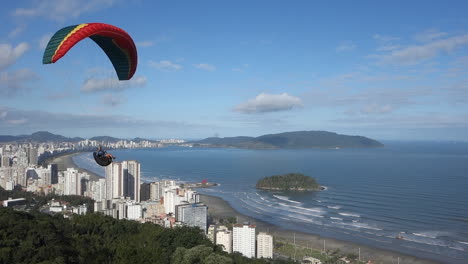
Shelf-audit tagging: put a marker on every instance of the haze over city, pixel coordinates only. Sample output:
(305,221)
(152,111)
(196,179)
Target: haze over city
(393,70)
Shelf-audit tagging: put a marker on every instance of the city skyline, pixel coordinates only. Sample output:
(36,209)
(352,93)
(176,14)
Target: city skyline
(241,69)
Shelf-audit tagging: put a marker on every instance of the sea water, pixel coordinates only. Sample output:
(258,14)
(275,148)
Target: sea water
(418,191)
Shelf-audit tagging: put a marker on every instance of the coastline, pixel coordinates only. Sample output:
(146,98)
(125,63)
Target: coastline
(219,208)
(66,161)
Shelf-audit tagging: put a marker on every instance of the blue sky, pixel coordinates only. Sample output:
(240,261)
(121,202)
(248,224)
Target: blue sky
(386,70)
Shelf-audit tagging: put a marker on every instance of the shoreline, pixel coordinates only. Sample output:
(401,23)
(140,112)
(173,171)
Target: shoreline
(66,161)
(219,208)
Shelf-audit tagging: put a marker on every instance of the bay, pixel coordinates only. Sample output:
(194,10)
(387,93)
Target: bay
(416,189)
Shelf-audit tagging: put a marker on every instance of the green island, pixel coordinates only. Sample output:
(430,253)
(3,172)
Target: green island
(289,182)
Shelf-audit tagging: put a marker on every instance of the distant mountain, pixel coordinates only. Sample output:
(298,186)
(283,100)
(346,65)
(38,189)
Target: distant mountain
(294,140)
(105,139)
(41,136)
(44,136)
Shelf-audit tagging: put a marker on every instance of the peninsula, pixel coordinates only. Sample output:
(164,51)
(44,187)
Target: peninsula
(288,182)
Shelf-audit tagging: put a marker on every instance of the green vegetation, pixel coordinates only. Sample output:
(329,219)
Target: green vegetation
(288,182)
(293,140)
(94,238)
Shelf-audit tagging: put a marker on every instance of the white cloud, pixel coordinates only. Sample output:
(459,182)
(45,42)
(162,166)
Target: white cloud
(33,120)
(9,54)
(44,40)
(242,68)
(430,35)
(205,66)
(12,82)
(346,46)
(376,109)
(384,38)
(417,53)
(17,121)
(144,44)
(263,103)
(109,84)
(61,10)
(165,65)
(112,100)
(388,47)
(17,30)
(426,120)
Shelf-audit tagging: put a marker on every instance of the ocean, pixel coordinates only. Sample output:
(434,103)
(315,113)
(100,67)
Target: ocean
(415,190)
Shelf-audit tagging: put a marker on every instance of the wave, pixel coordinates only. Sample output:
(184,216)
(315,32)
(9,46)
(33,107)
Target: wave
(463,242)
(315,210)
(359,225)
(299,211)
(334,207)
(336,218)
(349,214)
(457,248)
(424,235)
(284,198)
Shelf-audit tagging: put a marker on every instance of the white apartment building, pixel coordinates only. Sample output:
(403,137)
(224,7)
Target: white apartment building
(264,245)
(224,238)
(134,211)
(244,239)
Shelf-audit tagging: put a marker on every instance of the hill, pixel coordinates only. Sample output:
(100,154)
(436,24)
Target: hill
(293,140)
(105,139)
(288,182)
(44,136)
(41,136)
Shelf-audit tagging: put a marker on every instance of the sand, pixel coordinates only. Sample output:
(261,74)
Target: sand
(218,208)
(65,161)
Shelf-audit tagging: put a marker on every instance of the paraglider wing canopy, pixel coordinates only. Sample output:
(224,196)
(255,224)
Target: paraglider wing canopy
(114,41)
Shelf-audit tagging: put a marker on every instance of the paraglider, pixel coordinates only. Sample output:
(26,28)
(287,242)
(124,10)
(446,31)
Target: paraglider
(102,157)
(114,41)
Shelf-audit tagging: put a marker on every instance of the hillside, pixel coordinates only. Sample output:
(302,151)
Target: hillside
(293,140)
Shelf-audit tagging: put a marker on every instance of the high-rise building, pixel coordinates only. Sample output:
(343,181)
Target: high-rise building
(224,238)
(53,173)
(243,239)
(192,215)
(32,156)
(132,184)
(6,161)
(264,245)
(123,180)
(99,192)
(144,191)
(72,182)
(113,180)
(157,189)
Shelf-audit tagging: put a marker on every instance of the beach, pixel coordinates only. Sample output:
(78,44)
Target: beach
(220,209)
(66,161)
